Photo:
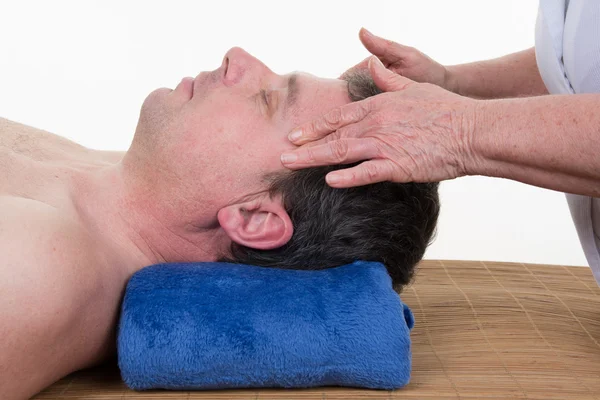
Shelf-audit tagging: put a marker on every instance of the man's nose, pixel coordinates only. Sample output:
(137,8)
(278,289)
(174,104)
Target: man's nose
(239,63)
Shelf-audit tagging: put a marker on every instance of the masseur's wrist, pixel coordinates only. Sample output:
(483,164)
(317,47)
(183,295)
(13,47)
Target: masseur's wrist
(490,142)
(471,144)
(451,79)
(466,80)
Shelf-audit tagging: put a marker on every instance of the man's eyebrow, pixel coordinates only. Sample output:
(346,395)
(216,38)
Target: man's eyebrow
(292,91)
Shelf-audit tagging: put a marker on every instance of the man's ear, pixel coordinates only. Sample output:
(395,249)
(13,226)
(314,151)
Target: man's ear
(261,223)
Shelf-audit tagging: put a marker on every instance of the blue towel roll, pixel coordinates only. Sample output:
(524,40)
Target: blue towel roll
(191,326)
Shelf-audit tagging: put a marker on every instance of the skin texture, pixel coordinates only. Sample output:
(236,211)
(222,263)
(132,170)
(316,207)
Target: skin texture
(421,132)
(513,75)
(76,223)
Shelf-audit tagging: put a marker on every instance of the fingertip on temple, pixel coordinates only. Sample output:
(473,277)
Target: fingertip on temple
(295,135)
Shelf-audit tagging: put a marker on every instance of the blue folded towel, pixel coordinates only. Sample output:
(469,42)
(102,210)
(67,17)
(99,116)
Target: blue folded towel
(219,325)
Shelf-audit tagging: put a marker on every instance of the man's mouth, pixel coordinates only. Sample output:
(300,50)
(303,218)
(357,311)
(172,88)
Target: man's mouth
(226,66)
(187,84)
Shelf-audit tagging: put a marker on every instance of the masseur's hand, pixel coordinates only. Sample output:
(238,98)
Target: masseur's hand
(416,132)
(405,61)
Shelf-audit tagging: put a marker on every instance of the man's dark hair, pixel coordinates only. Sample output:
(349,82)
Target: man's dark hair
(392,223)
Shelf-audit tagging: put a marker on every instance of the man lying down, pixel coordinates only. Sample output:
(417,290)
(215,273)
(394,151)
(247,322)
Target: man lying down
(202,181)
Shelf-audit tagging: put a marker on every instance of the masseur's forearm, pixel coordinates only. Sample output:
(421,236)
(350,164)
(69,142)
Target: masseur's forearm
(548,141)
(514,75)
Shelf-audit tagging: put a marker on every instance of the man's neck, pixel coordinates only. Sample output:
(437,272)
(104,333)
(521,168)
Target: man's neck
(133,224)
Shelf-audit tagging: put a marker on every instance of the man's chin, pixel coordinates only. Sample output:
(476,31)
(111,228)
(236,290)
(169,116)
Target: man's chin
(156,102)
(157,94)
(155,114)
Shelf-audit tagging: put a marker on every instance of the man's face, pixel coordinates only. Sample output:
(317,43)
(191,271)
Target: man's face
(222,131)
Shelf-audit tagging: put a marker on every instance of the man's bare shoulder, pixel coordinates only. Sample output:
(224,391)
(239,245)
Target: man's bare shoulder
(47,253)
(37,232)
(35,143)
(47,279)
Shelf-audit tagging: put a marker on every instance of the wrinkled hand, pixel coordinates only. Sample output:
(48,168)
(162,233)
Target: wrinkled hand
(415,132)
(404,60)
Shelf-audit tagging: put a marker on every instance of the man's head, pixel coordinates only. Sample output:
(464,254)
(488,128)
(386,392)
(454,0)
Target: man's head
(212,146)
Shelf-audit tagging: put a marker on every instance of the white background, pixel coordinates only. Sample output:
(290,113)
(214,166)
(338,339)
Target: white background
(81,69)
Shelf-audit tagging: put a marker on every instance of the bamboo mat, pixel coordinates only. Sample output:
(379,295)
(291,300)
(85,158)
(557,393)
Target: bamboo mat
(484,330)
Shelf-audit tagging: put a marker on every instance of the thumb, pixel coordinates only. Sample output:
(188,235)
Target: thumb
(390,52)
(385,79)
(376,45)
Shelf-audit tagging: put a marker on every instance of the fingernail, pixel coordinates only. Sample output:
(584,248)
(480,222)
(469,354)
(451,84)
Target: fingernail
(375,62)
(367,31)
(288,158)
(333,178)
(295,136)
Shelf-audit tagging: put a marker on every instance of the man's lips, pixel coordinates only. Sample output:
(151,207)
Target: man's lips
(187,85)
(190,85)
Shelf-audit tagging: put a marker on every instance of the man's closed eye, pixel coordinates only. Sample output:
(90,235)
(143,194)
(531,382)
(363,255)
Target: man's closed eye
(270,99)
